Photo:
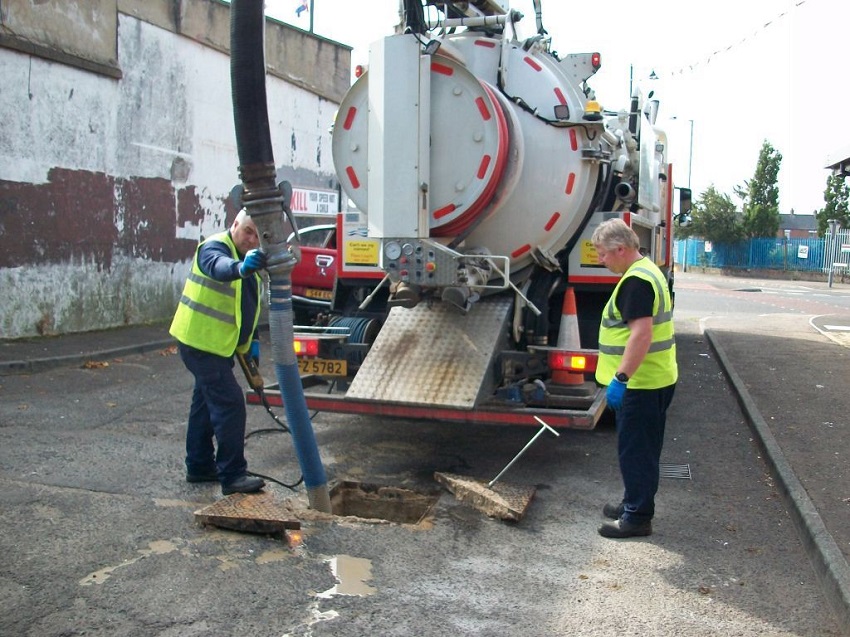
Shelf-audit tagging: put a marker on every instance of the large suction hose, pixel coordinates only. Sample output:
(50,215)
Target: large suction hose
(265,203)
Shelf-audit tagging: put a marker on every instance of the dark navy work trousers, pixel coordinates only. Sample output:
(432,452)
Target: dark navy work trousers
(217,411)
(640,436)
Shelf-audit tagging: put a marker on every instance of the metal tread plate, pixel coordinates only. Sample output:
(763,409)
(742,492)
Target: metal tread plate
(254,513)
(433,354)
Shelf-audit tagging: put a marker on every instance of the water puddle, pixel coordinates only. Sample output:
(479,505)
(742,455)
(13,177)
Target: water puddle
(351,574)
(276,555)
(316,616)
(157,547)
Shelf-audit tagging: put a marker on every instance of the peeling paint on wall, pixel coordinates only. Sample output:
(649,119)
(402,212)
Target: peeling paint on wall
(74,217)
(106,185)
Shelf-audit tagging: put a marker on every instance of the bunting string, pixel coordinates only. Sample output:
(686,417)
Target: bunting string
(691,68)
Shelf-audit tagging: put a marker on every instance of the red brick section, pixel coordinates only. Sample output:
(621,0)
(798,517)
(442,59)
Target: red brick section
(81,215)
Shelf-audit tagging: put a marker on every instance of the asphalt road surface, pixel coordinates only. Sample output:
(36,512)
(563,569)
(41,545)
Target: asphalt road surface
(98,535)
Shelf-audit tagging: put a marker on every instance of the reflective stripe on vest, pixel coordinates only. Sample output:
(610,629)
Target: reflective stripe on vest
(665,312)
(209,316)
(658,368)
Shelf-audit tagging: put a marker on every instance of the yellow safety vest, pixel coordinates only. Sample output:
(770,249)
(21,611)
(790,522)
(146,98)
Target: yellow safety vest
(209,315)
(659,368)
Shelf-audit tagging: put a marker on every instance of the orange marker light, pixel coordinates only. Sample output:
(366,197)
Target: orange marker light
(582,361)
(578,362)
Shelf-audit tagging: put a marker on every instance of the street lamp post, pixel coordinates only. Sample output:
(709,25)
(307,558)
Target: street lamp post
(690,164)
(652,76)
(833,228)
(691,153)
(690,149)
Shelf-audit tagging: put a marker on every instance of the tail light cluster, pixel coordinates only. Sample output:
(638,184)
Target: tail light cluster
(306,346)
(580,361)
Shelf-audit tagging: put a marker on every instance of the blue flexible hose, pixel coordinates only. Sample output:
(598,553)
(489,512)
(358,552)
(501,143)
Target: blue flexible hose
(289,378)
(264,201)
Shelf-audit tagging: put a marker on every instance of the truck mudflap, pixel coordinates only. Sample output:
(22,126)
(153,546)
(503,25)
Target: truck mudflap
(319,397)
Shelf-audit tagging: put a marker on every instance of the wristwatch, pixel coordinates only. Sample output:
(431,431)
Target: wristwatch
(620,376)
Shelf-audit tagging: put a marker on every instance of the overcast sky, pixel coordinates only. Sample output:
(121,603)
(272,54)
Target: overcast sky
(742,70)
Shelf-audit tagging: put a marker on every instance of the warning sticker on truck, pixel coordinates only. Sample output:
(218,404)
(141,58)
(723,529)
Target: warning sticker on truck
(361,252)
(588,258)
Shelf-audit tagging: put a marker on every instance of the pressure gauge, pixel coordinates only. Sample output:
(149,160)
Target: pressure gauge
(392,250)
(407,249)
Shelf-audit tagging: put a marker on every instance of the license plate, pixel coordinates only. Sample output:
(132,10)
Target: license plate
(323,366)
(312,293)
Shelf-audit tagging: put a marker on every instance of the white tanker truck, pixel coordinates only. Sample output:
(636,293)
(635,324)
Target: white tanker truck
(467,289)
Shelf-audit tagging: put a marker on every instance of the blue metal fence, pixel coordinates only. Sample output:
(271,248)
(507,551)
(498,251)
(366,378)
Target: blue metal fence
(753,254)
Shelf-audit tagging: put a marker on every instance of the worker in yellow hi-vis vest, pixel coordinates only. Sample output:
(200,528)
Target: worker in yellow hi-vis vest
(637,363)
(217,317)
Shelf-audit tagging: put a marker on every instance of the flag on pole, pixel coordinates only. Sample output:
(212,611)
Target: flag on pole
(301,8)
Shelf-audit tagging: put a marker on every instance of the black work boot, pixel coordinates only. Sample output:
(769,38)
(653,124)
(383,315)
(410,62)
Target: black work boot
(613,511)
(621,528)
(243,484)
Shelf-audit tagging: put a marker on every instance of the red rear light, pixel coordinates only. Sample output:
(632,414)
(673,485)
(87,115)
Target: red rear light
(596,60)
(573,361)
(359,70)
(306,346)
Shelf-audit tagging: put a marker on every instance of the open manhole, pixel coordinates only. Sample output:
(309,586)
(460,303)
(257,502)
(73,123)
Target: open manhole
(380,502)
(267,513)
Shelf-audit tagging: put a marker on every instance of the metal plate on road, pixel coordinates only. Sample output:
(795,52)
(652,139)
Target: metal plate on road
(253,513)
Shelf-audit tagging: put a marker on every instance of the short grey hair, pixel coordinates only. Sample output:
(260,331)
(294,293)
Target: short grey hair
(614,233)
(243,215)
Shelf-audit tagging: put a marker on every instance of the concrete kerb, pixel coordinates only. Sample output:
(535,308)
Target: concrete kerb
(8,368)
(830,565)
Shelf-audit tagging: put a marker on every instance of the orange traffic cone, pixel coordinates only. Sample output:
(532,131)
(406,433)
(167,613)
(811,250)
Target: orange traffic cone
(568,339)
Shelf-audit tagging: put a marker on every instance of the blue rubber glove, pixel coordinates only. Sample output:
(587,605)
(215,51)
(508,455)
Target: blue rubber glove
(614,394)
(254,352)
(255,260)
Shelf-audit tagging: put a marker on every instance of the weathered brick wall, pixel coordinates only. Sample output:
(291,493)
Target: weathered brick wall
(114,164)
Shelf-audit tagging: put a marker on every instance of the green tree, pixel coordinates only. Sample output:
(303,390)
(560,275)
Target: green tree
(714,218)
(761,209)
(837,198)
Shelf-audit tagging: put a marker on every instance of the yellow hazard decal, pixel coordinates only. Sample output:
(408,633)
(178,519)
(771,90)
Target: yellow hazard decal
(361,252)
(588,257)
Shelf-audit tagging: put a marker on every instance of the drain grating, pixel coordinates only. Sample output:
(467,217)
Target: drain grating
(678,471)
(377,502)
